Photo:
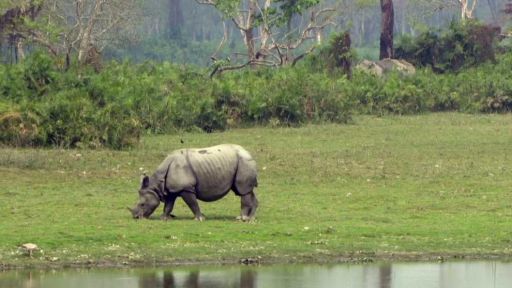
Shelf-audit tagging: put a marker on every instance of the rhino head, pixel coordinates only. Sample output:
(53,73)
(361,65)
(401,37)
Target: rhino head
(148,201)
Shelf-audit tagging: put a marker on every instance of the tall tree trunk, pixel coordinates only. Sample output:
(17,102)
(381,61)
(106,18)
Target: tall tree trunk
(175,18)
(362,29)
(249,30)
(249,41)
(387,23)
(493,7)
(19,49)
(466,10)
(13,21)
(264,29)
(508,8)
(85,34)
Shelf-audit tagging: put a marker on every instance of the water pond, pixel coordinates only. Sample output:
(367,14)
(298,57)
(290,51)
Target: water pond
(486,274)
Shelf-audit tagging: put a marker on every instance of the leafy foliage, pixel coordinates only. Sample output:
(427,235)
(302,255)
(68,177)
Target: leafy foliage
(464,44)
(337,56)
(79,108)
(41,105)
(289,8)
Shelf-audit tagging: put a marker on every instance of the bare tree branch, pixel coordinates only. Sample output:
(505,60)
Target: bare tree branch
(37,37)
(219,69)
(207,2)
(298,58)
(221,44)
(266,43)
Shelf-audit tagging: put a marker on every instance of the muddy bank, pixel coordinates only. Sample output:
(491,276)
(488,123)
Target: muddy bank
(356,258)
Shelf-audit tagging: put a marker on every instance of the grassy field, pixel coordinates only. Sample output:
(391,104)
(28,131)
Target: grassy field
(410,187)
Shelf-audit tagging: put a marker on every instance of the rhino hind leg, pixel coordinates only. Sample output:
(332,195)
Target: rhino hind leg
(249,205)
(245,176)
(244,183)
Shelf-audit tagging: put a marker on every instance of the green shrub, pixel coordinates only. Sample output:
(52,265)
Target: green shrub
(56,109)
(38,72)
(119,127)
(70,119)
(19,128)
(79,108)
(336,57)
(12,83)
(464,44)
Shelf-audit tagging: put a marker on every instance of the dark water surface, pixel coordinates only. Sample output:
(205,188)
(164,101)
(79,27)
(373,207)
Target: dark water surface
(394,275)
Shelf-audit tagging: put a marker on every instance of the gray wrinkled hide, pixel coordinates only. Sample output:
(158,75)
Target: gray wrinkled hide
(209,172)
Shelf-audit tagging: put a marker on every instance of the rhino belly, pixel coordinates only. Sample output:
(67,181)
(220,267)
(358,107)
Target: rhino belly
(211,189)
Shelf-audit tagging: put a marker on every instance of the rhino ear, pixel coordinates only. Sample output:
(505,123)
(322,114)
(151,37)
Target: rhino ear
(144,182)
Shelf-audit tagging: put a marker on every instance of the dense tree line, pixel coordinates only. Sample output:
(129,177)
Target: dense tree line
(195,31)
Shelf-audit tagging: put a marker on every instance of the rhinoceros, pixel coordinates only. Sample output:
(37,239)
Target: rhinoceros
(205,174)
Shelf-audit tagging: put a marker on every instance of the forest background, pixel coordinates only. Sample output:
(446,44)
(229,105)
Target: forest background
(95,73)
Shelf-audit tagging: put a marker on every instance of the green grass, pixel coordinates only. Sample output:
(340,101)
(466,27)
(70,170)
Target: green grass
(398,187)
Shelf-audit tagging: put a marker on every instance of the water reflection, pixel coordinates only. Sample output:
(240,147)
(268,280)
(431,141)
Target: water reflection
(396,275)
(192,279)
(385,276)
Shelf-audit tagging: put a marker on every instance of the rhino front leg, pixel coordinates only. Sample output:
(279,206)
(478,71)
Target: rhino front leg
(168,206)
(249,206)
(190,199)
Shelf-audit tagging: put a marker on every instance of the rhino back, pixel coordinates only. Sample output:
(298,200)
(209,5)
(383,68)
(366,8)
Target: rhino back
(215,169)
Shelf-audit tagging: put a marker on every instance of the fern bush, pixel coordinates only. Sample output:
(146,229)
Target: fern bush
(41,105)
